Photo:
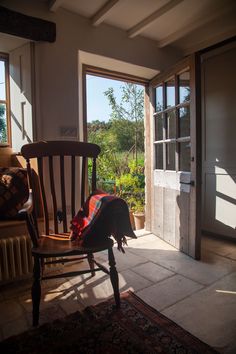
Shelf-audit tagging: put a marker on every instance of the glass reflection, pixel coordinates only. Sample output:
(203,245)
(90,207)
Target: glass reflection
(171,125)
(159,156)
(170,93)
(159,127)
(184,122)
(170,156)
(184,87)
(184,156)
(159,98)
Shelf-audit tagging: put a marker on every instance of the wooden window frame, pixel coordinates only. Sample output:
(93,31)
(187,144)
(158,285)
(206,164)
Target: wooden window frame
(107,74)
(162,82)
(5,57)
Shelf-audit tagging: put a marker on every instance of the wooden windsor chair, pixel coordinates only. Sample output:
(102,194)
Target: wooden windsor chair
(52,159)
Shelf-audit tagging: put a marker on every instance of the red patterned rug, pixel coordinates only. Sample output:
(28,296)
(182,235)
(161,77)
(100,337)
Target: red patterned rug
(135,329)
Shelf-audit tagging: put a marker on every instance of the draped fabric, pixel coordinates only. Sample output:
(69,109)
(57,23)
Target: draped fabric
(102,215)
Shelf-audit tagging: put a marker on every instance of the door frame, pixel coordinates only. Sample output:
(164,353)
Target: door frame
(108,74)
(115,75)
(193,62)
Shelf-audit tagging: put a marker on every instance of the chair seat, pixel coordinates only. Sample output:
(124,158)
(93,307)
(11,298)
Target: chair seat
(60,245)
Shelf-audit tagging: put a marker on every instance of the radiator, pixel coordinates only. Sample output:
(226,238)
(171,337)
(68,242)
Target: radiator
(15,258)
(16,261)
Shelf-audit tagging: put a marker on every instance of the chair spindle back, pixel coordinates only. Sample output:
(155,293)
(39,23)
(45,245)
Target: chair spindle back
(48,155)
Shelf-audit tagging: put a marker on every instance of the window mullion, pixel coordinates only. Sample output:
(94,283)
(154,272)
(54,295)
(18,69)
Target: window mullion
(176,123)
(164,125)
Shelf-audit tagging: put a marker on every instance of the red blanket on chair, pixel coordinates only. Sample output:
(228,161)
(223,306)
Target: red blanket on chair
(102,216)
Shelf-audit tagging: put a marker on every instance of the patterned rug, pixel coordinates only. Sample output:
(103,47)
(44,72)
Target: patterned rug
(135,329)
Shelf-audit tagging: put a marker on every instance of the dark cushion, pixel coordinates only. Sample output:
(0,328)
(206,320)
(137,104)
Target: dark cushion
(14,191)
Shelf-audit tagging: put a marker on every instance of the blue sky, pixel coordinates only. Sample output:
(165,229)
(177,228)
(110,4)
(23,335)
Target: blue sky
(2,81)
(97,103)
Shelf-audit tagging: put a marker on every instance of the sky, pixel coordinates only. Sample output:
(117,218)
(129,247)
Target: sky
(2,81)
(97,103)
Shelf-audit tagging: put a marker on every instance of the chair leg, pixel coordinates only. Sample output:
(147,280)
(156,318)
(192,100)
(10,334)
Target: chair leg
(36,290)
(114,277)
(91,263)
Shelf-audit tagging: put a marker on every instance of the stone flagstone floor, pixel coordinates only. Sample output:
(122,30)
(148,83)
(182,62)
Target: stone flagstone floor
(200,296)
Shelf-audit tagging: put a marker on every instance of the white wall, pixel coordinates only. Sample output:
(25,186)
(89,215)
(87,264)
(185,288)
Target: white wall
(57,63)
(219,143)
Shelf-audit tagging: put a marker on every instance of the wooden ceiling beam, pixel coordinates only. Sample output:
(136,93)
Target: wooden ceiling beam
(54,5)
(20,25)
(182,32)
(103,12)
(141,26)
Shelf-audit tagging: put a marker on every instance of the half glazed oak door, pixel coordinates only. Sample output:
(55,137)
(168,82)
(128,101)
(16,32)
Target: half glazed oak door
(174,143)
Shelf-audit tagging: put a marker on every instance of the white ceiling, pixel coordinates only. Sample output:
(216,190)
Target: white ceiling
(187,24)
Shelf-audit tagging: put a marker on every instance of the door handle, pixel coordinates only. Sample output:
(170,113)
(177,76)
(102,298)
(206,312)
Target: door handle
(192,183)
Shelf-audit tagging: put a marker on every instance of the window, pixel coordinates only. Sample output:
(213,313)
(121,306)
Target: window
(172,123)
(4,100)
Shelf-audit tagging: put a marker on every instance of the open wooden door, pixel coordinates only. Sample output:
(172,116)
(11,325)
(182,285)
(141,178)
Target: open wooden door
(173,151)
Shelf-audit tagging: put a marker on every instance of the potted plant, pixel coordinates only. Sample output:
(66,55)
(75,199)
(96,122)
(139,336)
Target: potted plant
(137,207)
(131,188)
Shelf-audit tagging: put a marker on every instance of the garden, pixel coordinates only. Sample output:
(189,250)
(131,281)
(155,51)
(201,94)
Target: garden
(120,167)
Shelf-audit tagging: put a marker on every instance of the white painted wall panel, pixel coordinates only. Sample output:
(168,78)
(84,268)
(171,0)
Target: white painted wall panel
(219,142)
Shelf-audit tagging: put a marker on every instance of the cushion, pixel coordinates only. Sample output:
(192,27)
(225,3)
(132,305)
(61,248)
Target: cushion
(14,191)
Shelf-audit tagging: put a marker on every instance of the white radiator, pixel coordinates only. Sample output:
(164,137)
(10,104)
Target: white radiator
(16,261)
(15,257)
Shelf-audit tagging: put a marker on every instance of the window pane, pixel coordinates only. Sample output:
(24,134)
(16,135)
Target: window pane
(170,93)
(3,124)
(159,98)
(159,156)
(184,122)
(159,127)
(2,81)
(170,125)
(184,156)
(184,87)
(170,156)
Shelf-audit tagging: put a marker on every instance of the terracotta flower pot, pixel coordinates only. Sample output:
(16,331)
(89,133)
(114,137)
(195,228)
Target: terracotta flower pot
(131,217)
(139,219)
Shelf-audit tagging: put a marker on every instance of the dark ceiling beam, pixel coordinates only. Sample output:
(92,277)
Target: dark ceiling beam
(20,25)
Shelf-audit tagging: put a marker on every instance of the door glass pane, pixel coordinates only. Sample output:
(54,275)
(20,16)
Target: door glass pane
(184,156)
(2,81)
(3,124)
(170,156)
(159,156)
(184,122)
(159,98)
(170,93)
(159,127)
(170,125)
(184,87)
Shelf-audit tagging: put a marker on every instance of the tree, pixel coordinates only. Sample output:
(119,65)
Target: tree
(127,117)
(3,126)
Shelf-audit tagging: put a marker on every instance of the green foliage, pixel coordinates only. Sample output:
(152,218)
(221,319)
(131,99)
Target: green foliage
(3,126)
(127,117)
(122,143)
(131,186)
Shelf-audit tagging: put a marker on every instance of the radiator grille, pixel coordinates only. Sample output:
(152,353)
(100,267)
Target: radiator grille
(15,257)
(16,261)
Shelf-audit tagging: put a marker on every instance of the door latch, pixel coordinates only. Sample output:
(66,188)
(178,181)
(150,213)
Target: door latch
(192,183)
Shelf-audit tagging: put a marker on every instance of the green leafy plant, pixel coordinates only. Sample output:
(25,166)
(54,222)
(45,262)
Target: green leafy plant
(131,186)
(3,126)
